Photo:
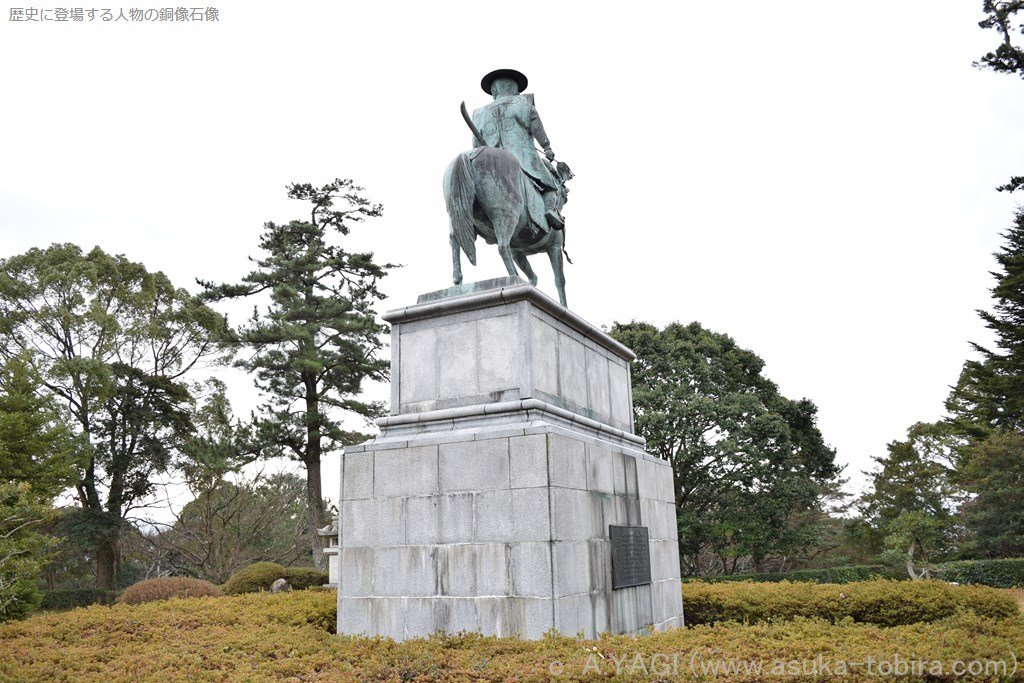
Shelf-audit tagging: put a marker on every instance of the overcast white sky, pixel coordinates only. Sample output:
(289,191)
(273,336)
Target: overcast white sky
(813,178)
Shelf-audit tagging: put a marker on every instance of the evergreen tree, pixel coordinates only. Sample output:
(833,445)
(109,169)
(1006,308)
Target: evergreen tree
(750,465)
(22,548)
(37,462)
(992,470)
(317,340)
(990,392)
(911,504)
(36,444)
(1002,17)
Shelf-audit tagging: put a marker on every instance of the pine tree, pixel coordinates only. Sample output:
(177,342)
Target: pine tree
(990,392)
(318,339)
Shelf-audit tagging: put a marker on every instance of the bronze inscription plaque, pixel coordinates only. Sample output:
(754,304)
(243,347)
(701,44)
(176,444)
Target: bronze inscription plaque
(631,556)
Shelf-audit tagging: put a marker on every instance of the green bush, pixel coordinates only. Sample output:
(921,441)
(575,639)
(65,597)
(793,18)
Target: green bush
(883,602)
(254,578)
(300,578)
(168,587)
(998,573)
(69,598)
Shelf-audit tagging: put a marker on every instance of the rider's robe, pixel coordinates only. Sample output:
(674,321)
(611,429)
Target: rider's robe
(512,123)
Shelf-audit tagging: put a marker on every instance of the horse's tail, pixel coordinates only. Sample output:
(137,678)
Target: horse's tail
(459,199)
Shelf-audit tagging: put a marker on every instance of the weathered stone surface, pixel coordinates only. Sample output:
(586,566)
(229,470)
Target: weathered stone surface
(567,462)
(458,353)
(544,340)
(600,469)
(574,614)
(531,515)
(499,336)
(571,560)
(358,475)
(493,514)
(417,370)
(619,395)
(571,515)
(631,609)
(354,615)
(528,460)
(356,567)
(572,371)
(598,392)
(405,471)
(474,465)
(531,569)
(280,586)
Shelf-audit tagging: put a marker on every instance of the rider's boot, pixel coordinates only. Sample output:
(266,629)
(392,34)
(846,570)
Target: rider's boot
(551,213)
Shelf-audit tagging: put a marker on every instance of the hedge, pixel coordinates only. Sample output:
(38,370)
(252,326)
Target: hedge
(305,577)
(165,588)
(996,573)
(882,601)
(830,575)
(287,637)
(69,598)
(262,575)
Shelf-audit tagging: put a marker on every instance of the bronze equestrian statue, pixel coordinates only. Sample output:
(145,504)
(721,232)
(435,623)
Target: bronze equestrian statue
(502,190)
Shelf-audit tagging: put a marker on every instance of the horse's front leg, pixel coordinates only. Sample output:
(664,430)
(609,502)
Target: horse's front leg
(555,254)
(524,265)
(456,259)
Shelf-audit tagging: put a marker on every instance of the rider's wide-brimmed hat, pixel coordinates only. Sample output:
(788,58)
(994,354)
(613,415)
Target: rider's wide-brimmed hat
(517,76)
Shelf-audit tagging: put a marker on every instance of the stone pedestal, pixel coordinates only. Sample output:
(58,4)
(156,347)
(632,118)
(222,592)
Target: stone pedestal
(486,502)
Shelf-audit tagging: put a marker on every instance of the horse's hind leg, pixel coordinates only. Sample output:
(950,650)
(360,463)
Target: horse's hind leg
(456,260)
(524,265)
(504,227)
(555,254)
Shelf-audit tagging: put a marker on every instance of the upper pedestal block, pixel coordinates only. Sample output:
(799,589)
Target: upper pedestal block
(497,342)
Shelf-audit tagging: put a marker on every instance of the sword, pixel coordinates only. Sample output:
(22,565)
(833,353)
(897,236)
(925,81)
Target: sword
(472,126)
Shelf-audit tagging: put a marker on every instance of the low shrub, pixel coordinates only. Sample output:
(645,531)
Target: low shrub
(285,637)
(998,573)
(166,588)
(300,578)
(883,602)
(254,578)
(69,598)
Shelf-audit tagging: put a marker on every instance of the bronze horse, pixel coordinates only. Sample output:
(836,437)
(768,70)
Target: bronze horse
(487,194)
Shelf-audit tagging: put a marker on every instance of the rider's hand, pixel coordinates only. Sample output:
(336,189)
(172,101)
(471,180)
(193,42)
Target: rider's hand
(550,154)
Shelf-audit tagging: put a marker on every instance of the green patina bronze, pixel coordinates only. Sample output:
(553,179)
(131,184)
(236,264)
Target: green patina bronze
(503,190)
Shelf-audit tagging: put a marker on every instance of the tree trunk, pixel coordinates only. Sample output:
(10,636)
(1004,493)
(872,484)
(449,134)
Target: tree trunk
(106,554)
(315,510)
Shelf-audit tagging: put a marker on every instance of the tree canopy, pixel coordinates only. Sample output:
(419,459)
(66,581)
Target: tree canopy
(749,463)
(114,343)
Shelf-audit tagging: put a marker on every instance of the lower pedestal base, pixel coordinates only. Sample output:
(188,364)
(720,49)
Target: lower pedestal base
(502,530)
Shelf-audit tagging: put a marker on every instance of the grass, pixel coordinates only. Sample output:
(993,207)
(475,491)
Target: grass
(287,637)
